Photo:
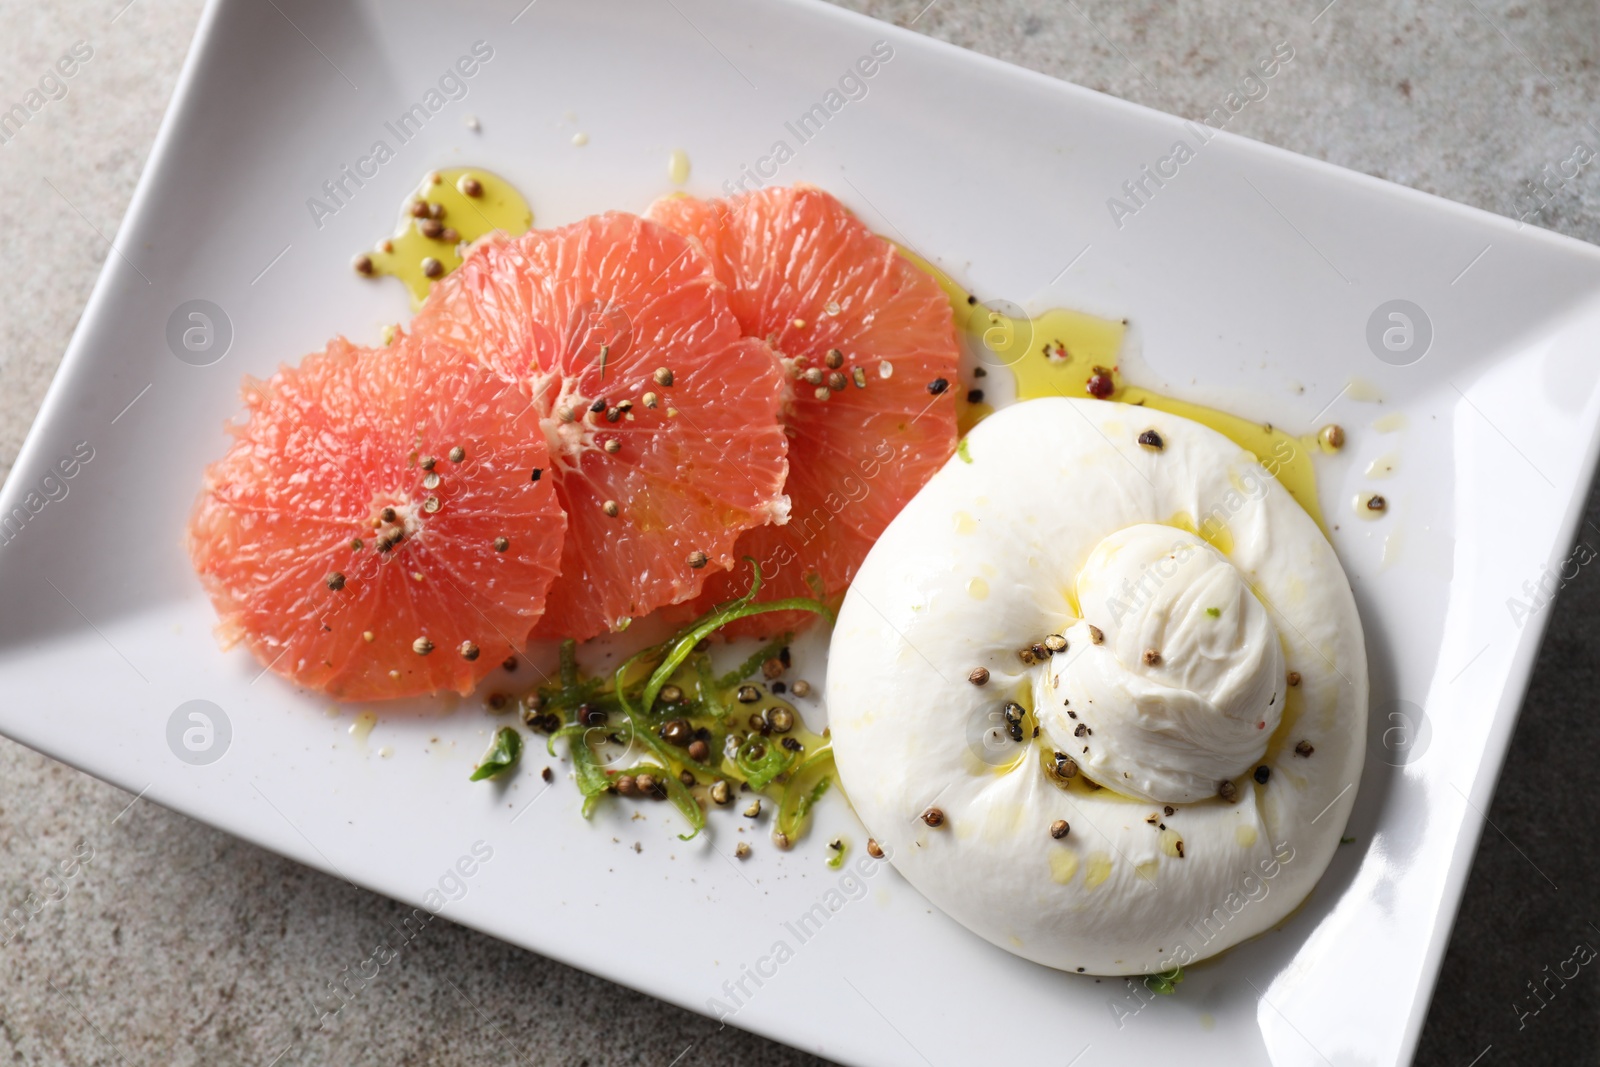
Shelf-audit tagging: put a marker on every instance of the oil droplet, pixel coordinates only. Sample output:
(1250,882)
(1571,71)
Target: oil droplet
(1208,1021)
(965,523)
(1363,391)
(1147,871)
(1395,420)
(1170,843)
(498,207)
(1054,354)
(331,711)
(1245,834)
(1371,505)
(580,139)
(386,751)
(977,589)
(1096,870)
(678,166)
(1384,466)
(361,729)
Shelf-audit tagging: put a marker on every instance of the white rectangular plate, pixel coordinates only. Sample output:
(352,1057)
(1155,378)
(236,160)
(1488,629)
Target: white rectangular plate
(1249,276)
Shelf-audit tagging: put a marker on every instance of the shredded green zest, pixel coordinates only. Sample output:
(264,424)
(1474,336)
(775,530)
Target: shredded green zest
(629,698)
(806,785)
(749,667)
(1214,612)
(837,859)
(961,450)
(504,751)
(761,759)
(676,792)
(1165,983)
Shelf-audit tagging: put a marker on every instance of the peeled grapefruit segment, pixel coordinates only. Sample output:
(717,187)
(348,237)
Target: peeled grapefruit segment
(868,348)
(375,529)
(661,416)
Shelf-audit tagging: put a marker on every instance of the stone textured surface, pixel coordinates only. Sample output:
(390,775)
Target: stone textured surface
(175,944)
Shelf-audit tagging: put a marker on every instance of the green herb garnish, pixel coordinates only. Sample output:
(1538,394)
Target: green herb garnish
(1165,983)
(599,717)
(1346,840)
(806,785)
(961,450)
(1214,612)
(504,751)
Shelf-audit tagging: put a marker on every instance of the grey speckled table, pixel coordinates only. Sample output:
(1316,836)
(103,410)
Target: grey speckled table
(179,945)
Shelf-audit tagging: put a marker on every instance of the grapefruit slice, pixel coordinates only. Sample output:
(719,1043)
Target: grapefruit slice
(869,353)
(375,529)
(661,416)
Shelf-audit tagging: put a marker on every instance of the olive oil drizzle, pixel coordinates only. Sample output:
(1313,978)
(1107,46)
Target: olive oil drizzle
(459,218)
(1056,352)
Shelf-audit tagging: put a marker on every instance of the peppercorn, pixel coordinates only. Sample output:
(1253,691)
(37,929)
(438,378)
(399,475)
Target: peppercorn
(874,849)
(933,817)
(1303,748)
(748,694)
(1152,440)
(979,676)
(1262,774)
(1059,829)
(781,720)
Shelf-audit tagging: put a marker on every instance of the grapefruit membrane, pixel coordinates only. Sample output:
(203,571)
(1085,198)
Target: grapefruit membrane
(660,414)
(869,355)
(375,530)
